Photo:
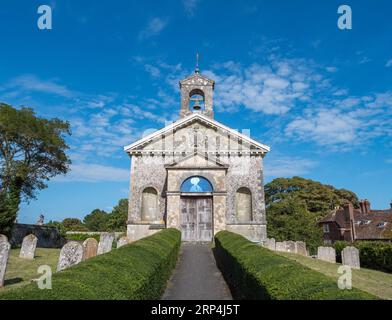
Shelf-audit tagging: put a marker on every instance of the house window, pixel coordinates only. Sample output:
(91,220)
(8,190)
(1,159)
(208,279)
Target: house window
(326,228)
(381,224)
(196,184)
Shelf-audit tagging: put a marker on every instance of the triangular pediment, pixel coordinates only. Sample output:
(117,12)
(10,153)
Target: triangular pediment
(206,123)
(197,160)
(197,80)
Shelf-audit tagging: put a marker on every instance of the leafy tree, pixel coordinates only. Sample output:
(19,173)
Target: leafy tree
(96,220)
(32,150)
(318,198)
(117,220)
(73,224)
(58,225)
(294,205)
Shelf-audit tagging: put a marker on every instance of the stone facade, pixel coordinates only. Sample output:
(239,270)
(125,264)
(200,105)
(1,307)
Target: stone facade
(197,146)
(48,237)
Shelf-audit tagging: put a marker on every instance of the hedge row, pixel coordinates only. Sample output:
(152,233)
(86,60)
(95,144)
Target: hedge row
(253,272)
(81,236)
(133,272)
(375,255)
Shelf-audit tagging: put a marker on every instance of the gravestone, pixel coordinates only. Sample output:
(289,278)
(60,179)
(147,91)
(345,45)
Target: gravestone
(122,242)
(4,253)
(28,247)
(326,254)
(290,246)
(70,255)
(270,244)
(301,248)
(105,242)
(350,257)
(90,248)
(280,246)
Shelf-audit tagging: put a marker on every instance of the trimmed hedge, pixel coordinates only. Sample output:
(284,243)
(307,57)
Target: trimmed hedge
(375,255)
(253,272)
(137,271)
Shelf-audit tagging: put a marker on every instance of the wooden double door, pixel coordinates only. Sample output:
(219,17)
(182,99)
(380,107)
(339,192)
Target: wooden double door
(196,219)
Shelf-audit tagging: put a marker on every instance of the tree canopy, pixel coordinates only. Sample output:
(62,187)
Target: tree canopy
(32,151)
(98,220)
(294,205)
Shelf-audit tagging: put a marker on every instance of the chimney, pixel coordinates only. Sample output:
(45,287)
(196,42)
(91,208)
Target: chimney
(365,206)
(348,212)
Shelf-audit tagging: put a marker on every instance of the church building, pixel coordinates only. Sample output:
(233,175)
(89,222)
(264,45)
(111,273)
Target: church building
(196,174)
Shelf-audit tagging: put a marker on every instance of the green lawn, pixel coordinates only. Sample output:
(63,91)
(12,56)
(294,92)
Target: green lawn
(372,281)
(21,271)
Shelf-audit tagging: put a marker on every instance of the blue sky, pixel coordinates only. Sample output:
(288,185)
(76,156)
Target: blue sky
(321,97)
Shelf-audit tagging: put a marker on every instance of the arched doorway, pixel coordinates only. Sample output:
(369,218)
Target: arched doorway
(196,209)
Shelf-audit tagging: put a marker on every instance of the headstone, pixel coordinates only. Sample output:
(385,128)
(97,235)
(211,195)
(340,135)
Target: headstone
(291,247)
(122,242)
(280,246)
(301,248)
(28,247)
(270,244)
(105,242)
(350,257)
(4,253)
(326,254)
(70,255)
(90,248)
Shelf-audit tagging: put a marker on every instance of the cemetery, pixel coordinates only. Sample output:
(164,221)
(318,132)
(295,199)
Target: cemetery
(142,269)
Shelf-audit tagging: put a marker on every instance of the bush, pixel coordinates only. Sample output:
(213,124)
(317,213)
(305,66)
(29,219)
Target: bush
(375,255)
(81,236)
(253,272)
(133,272)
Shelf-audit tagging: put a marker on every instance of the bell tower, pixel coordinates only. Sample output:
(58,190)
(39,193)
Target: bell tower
(197,94)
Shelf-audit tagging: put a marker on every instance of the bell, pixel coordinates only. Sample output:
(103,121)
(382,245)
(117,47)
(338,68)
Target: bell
(196,107)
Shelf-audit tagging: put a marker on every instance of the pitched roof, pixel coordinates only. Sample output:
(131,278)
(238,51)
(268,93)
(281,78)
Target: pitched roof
(188,119)
(367,226)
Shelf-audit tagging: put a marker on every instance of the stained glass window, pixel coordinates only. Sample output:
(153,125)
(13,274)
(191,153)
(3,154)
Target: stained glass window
(196,184)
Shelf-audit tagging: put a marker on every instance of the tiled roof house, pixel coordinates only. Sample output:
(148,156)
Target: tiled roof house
(350,224)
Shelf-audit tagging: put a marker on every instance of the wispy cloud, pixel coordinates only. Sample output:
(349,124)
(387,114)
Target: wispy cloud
(31,83)
(389,63)
(271,88)
(153,28)
(288,166)
(190,6)
(86,172)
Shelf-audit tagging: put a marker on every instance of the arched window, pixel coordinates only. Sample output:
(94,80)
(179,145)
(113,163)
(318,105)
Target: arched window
(149,205)
(243,205)
(196,98)
(196,184)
